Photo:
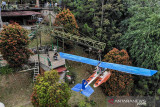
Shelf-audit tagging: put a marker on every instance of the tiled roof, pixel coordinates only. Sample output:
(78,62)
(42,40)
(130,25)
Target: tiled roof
(19,13)
(60,69)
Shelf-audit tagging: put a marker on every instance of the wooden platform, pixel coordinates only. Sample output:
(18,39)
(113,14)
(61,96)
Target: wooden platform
(44,61)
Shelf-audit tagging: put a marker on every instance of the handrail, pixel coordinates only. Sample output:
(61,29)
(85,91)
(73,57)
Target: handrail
(45,60)
(27,5)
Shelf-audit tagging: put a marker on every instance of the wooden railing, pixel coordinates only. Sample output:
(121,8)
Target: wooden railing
(26,6)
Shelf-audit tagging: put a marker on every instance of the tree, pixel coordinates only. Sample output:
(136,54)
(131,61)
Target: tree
(84,11)
(68,21)
(13,45)
(48,91)
(99,19)
(119,83)
(141,39)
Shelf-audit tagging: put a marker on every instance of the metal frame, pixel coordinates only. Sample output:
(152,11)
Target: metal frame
(80,40)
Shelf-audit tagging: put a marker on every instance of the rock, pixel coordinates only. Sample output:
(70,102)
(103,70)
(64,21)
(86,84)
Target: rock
(1,105)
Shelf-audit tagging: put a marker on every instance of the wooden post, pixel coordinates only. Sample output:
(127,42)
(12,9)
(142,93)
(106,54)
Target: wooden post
(40,38)
(57,45)
(102,18)
(63,45)
(1,23)
(38,52)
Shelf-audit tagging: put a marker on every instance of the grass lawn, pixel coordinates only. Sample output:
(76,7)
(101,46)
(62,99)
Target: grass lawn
(45,40)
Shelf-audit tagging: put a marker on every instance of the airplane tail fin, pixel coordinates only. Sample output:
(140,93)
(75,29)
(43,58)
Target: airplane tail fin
(87,91)
(84,83)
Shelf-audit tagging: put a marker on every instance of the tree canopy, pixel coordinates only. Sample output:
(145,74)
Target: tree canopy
(141,39)
(119,83)
(13,45)
(48,91)
(99,19)
(66,19)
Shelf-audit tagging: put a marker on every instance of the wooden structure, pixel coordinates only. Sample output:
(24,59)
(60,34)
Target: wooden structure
(21,17)
(44,63)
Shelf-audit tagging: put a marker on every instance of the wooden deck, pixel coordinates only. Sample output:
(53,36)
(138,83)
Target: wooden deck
(44,61)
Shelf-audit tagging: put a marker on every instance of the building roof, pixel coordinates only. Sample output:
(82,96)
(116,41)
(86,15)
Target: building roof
(19,13)
(61,69)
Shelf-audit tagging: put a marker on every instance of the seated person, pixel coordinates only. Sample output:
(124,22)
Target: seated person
(39,20)
(55,56)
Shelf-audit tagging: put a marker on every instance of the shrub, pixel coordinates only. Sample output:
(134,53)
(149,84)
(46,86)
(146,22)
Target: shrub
(49,92)
(119,83)
(13,45)
(86,103)
(6,70)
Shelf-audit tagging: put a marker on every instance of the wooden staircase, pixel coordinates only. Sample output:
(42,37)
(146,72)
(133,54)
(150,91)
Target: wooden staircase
(36,70)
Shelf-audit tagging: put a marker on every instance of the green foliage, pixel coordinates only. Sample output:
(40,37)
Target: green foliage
(119,83)
(87,29)
(97,24)
(6,70)
(49,92)
(73,77)
(141,39)
(13,45)
(158,91)
(86,103)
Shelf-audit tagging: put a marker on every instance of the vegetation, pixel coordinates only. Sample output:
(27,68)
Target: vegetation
(99,19)
(132,26)
(119,83)
(66,19)
(141,39)
(86,103)
(49,92)
(13,45)
(6,70)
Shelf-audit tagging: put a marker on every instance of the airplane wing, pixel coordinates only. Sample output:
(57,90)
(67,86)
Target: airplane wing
(119,67)
(79,59)
(128,69)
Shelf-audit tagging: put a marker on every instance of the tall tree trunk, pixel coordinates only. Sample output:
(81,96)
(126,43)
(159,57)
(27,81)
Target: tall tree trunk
(1,23)
(102,19)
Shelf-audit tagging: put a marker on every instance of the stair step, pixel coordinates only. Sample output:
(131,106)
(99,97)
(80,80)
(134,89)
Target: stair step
(36,71)
(35,68)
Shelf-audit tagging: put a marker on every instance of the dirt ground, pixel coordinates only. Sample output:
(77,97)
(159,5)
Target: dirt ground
(81,71)
(16,89)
